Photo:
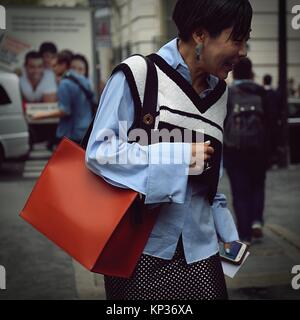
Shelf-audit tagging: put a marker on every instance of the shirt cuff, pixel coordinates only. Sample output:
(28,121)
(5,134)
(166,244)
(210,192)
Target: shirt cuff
(168,172)
(225,225)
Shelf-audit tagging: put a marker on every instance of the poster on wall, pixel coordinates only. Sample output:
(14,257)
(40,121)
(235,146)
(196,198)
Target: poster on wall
(28,27)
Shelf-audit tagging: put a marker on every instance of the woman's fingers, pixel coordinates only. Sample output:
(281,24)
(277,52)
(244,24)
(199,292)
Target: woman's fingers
(202,151)
(208,152)
(201,154)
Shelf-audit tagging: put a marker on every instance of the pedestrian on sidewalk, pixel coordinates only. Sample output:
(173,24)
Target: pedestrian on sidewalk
(246,149)
(181,259)
(275,113)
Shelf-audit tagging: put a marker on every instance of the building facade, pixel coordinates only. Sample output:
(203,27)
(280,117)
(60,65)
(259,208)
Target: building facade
(142,26)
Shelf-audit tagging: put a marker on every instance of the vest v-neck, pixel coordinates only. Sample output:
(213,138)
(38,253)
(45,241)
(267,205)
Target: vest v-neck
(202,104)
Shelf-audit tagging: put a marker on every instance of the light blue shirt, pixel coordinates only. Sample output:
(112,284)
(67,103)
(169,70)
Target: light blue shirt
(184,209)
(74,103)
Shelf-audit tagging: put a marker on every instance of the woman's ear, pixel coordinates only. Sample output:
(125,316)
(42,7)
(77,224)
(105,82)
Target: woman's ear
(199,36)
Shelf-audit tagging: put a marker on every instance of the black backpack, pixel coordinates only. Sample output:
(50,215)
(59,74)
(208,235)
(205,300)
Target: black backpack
(244,125)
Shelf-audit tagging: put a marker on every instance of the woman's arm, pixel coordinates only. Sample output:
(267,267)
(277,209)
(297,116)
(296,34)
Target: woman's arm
(128,165)
(223,218)
(64,104)
(48,115)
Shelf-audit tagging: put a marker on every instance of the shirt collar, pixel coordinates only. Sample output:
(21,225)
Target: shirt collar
(170,53)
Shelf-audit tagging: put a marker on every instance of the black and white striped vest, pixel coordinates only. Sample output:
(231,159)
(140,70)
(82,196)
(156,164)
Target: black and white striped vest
(178,106)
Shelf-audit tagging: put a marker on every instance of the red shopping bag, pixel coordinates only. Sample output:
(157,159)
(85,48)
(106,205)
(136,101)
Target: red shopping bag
(87,217)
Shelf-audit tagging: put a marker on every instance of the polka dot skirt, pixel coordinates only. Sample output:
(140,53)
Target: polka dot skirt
(159,279)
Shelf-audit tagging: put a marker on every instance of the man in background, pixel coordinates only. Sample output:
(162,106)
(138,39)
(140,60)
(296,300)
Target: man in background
(37,84)
(246,145)
(48,51)
(62,63)
(275,113)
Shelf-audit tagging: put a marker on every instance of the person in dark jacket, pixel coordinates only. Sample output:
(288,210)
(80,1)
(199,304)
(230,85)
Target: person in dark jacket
(276,112)
(246,149)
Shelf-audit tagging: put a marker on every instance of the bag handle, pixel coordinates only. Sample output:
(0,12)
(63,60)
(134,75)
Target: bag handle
(148,114)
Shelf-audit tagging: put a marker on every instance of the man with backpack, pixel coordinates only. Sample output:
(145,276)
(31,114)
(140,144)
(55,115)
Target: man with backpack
(246,149)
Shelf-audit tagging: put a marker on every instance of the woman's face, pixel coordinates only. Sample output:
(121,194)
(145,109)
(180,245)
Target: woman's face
(220,54)
(79,67)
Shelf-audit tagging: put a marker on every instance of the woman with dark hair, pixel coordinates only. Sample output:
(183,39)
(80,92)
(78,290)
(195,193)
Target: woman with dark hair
(181,258)
(80,64)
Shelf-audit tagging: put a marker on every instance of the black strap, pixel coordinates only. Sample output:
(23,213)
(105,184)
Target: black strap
(149,110)
(88,93)
(149,104)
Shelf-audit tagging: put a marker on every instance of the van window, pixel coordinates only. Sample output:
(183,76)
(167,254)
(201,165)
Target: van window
(4,98)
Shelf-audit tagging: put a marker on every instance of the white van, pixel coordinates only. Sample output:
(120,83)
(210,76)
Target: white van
(14,135)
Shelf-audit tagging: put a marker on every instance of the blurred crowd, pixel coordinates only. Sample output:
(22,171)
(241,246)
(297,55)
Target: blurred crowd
(43,70)
(61,77)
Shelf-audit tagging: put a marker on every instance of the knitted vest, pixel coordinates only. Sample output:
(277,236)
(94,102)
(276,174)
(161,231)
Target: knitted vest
(178,106)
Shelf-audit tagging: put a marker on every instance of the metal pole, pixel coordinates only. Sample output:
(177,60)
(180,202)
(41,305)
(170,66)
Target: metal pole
(282,16)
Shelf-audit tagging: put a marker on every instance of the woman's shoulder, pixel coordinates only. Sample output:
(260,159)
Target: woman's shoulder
(135,64)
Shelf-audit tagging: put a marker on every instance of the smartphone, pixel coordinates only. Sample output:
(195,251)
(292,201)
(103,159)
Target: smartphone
(237,252)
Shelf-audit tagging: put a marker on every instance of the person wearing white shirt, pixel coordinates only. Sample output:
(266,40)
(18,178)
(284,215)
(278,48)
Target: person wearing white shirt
(37,84)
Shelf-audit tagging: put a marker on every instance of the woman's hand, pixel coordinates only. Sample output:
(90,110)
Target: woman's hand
(201,153)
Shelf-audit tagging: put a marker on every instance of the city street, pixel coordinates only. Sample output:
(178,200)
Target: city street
(36,269)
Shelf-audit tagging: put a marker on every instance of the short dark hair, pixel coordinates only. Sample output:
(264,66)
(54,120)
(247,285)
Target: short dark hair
(65,57)
(267,79)
(214,16)
(48,47)
(243,70)
(32,55)
(84,60)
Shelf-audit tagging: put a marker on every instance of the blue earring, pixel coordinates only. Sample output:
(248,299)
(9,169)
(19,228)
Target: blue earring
(199,49)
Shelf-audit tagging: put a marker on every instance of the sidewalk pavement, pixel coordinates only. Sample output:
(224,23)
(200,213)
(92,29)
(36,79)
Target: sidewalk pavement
(267,272)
